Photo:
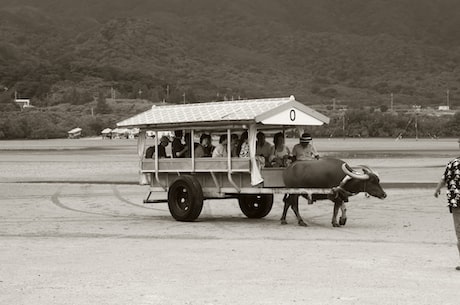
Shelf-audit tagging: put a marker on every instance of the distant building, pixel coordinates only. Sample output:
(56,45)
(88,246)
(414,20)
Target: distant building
(106,133)
(23,103)
(74,133)
(443,108)
(125,133)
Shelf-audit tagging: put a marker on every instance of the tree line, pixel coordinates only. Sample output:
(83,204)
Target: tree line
(365,124)
(54,123)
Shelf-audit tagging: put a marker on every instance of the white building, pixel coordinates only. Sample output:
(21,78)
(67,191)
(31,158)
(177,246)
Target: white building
(74,133)
(23,103)
(443,108)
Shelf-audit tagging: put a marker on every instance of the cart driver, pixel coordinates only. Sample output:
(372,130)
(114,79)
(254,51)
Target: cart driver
(305,150)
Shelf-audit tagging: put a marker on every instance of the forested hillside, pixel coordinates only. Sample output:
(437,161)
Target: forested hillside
(356,52)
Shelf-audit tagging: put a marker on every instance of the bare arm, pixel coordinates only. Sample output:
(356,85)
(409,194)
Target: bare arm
(314,151)
(437,192)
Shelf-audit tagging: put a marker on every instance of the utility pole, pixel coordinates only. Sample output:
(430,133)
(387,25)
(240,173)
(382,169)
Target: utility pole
(183,95)
(417,111)
(447,95)
(391,101)
(343,123)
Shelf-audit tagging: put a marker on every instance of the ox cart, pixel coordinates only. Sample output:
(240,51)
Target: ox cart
(188,181)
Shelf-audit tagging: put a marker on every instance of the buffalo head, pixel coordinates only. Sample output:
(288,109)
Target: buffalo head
(366,181)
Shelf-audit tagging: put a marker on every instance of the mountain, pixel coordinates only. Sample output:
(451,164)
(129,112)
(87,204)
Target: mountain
(356,51)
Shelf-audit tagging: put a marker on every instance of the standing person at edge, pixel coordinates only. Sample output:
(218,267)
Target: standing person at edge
(451,179)
(305,150)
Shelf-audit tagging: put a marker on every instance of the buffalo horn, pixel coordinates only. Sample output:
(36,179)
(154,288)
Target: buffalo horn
(350,172)
(368,169)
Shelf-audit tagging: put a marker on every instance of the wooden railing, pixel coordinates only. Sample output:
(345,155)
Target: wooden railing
(199,165)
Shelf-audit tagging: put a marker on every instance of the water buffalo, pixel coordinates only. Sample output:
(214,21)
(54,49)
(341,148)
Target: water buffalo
(329,173)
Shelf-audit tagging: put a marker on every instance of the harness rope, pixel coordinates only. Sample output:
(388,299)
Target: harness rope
(340,191)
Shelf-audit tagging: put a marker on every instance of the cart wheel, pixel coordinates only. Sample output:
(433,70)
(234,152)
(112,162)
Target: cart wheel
(256,206)
(185,198)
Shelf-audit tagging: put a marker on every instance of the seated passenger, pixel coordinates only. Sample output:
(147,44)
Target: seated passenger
(221,149)
(305,150)
(179,150)
(204,148)
(263,148)
(188,145)
(234,144)
(207,145)
(149,152)
(280,153)
(243,146)
(164,142)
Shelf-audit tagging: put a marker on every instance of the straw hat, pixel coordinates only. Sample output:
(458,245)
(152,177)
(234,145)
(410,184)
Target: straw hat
(305,138)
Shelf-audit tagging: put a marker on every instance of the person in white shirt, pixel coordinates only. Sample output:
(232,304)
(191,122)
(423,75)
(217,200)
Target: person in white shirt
(305,150)
(263,148)
(221,149)
(280,153)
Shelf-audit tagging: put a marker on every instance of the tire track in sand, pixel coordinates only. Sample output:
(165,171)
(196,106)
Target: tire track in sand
(57,202)
(120,197)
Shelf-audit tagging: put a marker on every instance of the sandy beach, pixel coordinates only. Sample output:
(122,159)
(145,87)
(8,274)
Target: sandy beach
(73,230)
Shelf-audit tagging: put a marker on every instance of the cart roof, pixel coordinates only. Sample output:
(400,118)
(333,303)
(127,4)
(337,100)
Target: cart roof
(273,111)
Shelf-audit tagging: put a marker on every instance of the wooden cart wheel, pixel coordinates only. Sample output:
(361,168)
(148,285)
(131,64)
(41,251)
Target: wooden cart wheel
(256,206)
(185,198)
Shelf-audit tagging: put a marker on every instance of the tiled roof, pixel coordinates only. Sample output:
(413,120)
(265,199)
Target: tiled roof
(226,111)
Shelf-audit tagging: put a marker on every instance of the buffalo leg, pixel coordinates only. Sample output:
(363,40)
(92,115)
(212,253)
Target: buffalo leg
(295,208)
(343,217)
(308,197)
(337,205)
(287,204)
